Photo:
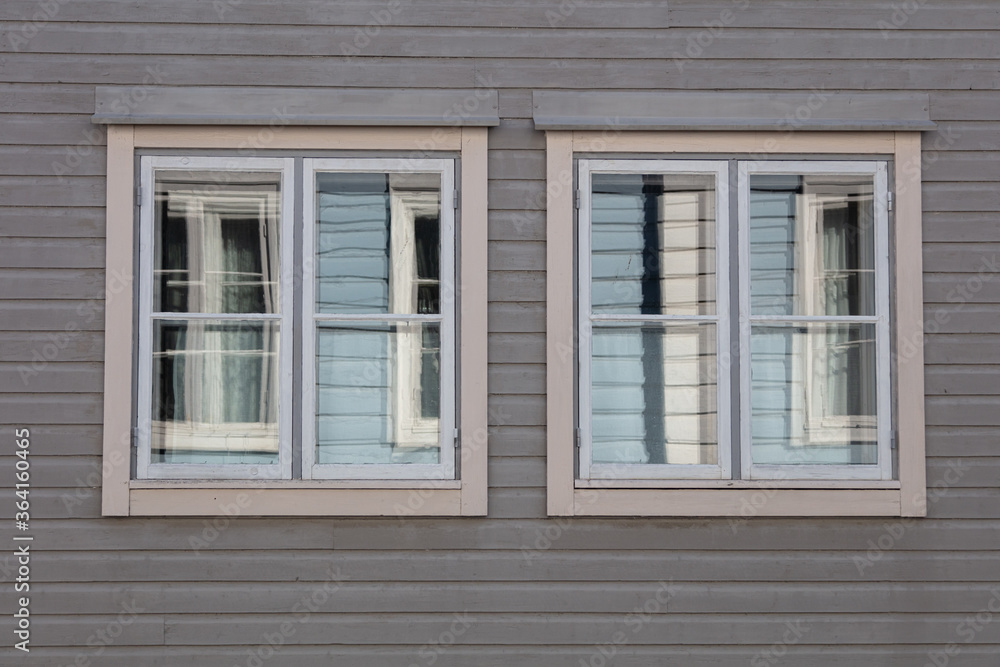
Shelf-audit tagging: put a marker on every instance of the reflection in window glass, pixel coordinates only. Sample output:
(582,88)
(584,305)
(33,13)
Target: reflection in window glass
(216,236)
(378,388)
(814,394)
(215,392)
(653,395)
(653,244)
(378,243)
(812,244)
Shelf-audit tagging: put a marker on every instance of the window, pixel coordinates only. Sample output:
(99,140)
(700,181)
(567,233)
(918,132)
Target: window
(813,320)
(733,321)
(306,332)
(378,340)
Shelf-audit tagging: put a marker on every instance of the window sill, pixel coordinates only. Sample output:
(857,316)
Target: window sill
(299,498)
(765,484)
(744,503)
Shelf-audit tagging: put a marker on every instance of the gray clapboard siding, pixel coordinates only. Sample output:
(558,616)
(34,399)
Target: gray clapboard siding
(408,576)
(87,223)
(41,161)
(522,286)
(699,74)
(32,316)
(586,13)
(395,41)
(320,655)
(504,566)
(62,377)
(844,15)
(945,536)
(513,317)
(27,252)
(477,597)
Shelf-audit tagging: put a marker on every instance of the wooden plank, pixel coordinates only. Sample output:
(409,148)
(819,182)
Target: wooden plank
(32,190)
(533,565)
(46,161)
(492,655)
(507,378)
(53,222)
(29,378)
(433,13)
(504,317)
(839,16)
(660,629)
(51,315)
(525,348)
(405,72)
(549,41)
(516,286)
(42,252)
(50,347)
(62,439)
(51,408)
(491,599)
(517,255)
(804,535)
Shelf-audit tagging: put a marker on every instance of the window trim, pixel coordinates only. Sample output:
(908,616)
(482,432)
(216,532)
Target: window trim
(124,496)
(446,468)
(905,496)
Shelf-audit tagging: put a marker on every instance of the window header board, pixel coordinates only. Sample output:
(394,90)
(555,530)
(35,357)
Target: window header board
(806,110)
(226,105)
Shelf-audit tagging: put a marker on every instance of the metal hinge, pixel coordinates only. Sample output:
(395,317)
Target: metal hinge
(138,195)
(135,436)
(456,437)
(455,199)
(576,437)
(579,198)
(894,439)
(889,201)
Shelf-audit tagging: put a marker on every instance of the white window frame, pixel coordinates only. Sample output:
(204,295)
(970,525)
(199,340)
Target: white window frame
(145,469)
(719,169)
(883,469)
(445,469)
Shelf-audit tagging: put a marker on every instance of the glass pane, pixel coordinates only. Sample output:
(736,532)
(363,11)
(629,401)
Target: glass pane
(813,397)
(653,390)
(653,244)
(812,245)
(215,392)
(378,243)
(216,238)
(378,393)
